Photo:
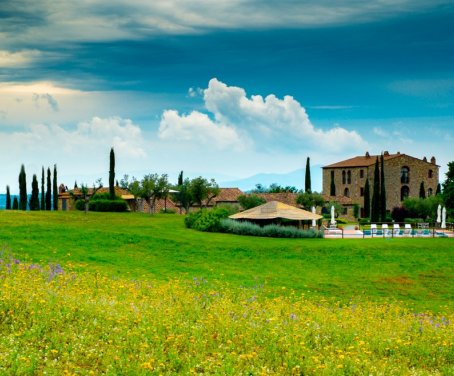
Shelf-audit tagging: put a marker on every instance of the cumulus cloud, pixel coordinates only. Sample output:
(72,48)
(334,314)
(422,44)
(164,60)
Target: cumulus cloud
(267,123)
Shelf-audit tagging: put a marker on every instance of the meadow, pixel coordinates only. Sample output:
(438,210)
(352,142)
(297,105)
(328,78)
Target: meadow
(137,294)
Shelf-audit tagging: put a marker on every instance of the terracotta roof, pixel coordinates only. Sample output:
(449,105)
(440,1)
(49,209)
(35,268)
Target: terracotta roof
(285,197)
(343,200)
(275,209)
(228,195)
(362,160)
(118,191)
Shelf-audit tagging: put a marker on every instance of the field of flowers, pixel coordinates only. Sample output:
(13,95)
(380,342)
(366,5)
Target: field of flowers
(58,322)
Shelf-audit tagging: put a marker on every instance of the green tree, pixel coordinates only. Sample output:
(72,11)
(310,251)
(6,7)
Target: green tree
(307,180)
(183,195)
(43,201)
(375,209)
(250,201)
(87,195)
(34,198)
(332,186)
(48,191)
(422,190)
(8,198)
(152,188)
(112,175)
(22,189)
(180,178)
(367,199)
(438,191)
(382,190)
(55,189)
(15,203)
(309,199)
(448,190)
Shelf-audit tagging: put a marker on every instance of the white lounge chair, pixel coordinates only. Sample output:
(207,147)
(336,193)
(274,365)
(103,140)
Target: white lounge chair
(373,228)
(407,230)
(396,229)
(385,229)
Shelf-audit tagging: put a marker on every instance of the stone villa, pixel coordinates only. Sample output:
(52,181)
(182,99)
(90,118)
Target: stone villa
(403,177)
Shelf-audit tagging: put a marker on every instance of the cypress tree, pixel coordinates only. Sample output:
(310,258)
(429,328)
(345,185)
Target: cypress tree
(8,198)
(22,189)
(75,185)
(48,192)
(112,175)
(382,190)
(43,201)
(55,189)
(422,191)
(15,204)
(438,191)
(367,199)
(307,180)
(375,208)
(180,178)
(34,198)
(332,187)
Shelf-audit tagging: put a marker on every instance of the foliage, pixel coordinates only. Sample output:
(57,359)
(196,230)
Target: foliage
(48,191)
(274,188)
(55,320)
(167,211)
(422,208)
(375,207)
(206,220)
(271,230)
(356,210)
(8,198)
(22,189)
(112,174)
(183,195)
(422,190)
(399,213)
(367,198)
(448,190)
(307,179)
(337,208)
(87,195)
(382,190)
(108,205)
(364,221)
(180,178)
(15,203)
(309,199)
(151,188)
(43,192)
(250,201)
(34,198)
(203,190)
(55,189)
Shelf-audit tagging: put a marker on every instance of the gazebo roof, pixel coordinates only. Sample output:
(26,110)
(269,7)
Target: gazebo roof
(276,209)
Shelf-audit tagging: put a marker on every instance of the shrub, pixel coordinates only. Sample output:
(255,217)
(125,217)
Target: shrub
(206,220)
(250,201)
(80,205)
(108,205)
(364,221)
(191,218)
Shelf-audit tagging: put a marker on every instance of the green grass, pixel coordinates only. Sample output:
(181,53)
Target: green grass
(138,246)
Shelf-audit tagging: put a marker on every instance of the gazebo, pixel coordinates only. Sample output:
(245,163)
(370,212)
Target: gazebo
(275,210)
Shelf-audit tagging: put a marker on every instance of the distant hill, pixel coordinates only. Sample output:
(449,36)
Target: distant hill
(294,178)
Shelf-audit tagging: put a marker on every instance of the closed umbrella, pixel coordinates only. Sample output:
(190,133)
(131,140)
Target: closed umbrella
(313,221)
(333,221)
(439,214)
(443,218)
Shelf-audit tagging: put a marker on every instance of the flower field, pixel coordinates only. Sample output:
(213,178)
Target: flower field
(56,321)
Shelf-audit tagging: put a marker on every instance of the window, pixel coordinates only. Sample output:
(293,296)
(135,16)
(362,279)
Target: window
(405,175)
(430,192)
(404,192)
(349,177)
(430,175)
(343,177)
(332,175)
(361,191)
(361,174)
(346,192)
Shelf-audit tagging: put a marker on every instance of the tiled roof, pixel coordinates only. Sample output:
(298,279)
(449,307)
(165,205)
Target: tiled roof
(343,200)
(362,160)
(285,197)
(228,195)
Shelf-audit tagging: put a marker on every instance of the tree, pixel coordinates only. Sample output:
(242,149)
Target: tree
(332,186)
(180,178)
(382,190)
(367,199)
(75,184)
(422,190)
(307,180)
(55,189)
(15,203)
(48,191)
(87,195)
(309,199)
(250,201)
(34,198)
(438,191)
(375,209)
(8,198)
(112,175)
(152,188)
(43,202)
(22,189)
(203,190)
(448,189)
(183,195)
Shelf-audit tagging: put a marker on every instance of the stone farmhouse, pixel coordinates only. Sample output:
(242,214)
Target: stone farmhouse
(403,177)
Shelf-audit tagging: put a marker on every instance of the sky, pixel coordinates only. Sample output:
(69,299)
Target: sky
(224,89)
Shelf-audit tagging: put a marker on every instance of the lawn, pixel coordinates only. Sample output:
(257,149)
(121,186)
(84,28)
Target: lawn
(138,246)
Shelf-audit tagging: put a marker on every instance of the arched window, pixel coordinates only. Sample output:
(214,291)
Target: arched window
(430,174)
(430,192)
(405,175)
(404,192)
(346,192)
(349,177)
(343,177)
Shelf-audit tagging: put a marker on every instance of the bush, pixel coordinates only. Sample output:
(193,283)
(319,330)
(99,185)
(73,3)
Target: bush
(250,201)
(80,205)
(191,218)
(273,231)
(167,211)
(364,221)
(206,220)
(108,205)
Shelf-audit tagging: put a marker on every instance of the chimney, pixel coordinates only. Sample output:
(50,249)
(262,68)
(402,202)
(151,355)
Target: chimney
(433,160)
(424,159)
(386,153)
(367,154)
(398,153)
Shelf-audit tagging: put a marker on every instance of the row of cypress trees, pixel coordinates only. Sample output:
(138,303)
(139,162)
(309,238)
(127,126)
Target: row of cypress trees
(48,200)
(378,206)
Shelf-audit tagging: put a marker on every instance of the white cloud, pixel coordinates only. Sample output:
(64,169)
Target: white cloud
(18,59)
(269,124)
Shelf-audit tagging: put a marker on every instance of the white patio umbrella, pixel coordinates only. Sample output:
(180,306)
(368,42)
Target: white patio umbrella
(333,221)
(439,214)
(443,218)
(314,223)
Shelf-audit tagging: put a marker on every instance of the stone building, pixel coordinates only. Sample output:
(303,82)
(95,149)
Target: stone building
(403,177)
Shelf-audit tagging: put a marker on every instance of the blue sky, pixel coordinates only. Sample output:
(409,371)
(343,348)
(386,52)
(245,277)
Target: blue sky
(223,89)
